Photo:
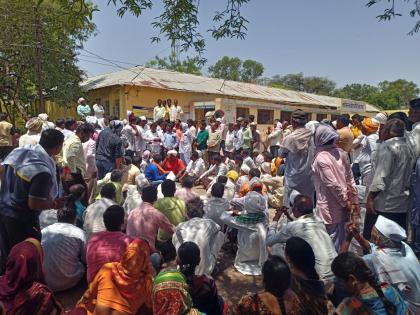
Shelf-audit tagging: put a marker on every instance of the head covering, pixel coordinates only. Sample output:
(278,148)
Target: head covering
(299,116)
(293,196)
(253,124)
(390,229)
(43,116)
(312,125)
(415,103)
(233,175)
(91,120)
(370,125)
(141,181)
(334,123)
(80,100)
(34,124)
(133,275)
(172,152)
(324,134)
(381,118)
(219,119)
(245,168)
(143,118)
(239,119)
(22,287)
(170,294)
(278,125)
(255,202)
(266,167)
(146,155)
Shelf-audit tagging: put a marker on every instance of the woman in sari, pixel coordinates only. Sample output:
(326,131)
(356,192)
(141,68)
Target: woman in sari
(22,287)
(170,295)
(121,288)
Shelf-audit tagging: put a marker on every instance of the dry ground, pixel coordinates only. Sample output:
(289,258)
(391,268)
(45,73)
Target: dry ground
(230,283)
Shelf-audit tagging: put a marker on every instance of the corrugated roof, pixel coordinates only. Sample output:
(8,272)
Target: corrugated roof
(171,80)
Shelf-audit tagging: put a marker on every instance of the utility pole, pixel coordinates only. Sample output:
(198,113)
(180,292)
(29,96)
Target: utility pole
(38,51)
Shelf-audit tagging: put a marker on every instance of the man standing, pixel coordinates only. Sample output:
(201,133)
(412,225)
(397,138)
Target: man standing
(29,185)
(159,111)
(346,135)
(6,136)
(213,142)
(298,150)
(176,110)
(89,150)
(133,137)
(389,193)
(414,137)
(83,109)
(74,158)
(246,136)
(201,140)
(274,137)
(109,149)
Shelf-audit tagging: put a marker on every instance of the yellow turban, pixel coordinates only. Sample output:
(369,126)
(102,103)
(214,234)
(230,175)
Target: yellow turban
(233,175)
(370,125)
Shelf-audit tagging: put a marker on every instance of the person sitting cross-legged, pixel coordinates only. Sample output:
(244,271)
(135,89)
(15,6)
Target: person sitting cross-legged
(64,248)
(93,220)
(107,246)
(203,232)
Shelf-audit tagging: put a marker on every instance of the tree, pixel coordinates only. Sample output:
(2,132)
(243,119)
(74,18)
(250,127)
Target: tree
(396,94)
(189,65)
(391,12)
(227,68)
(38,43)
(251,70)
(359,92)
(298,82)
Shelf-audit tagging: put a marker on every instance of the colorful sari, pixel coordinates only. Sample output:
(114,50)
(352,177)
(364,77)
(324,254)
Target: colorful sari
(123,286)
(22,288)
(170,295)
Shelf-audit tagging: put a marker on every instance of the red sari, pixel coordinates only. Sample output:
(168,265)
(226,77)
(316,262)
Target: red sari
(22,288)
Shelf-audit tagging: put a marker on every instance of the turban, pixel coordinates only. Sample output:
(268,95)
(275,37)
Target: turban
(146,155)
(293,196)
(381,118)
(34,124)
(390,229)
(415,103)
(233,175)
(245,168)
(299,116)
(266,167)
(43,116)
(91,120)
(370,125)
(80,100)
(255,202)
(172,152)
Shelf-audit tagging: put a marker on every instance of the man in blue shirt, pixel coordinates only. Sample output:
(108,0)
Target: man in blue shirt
(152,171)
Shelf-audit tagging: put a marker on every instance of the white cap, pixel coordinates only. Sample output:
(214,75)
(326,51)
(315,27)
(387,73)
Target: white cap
(43,116)
(219,119)
(381,118)
(143,118)
(245,168)
(293,196)
(390,229)
(171,176)
(80,100)
(172,152)
(266,167)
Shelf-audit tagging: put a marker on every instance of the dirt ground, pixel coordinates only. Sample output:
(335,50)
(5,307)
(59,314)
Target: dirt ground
(230,283)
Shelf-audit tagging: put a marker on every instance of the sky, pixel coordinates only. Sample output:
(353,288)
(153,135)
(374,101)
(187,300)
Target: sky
(338,39)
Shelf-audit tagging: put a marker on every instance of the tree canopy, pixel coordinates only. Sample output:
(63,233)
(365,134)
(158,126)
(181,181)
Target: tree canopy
(298,82)
(188,65)
(38,45)
(233,68)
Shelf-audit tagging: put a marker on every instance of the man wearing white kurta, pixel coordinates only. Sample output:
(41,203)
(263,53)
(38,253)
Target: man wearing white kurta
(251,225)
(204,232)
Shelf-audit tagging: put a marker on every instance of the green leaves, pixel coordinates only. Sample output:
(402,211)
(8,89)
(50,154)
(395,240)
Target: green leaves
(390,12)
(232,68)
(189,65)
(231,23)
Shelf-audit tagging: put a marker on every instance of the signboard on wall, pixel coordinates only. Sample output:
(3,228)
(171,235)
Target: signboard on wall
(142,111)
(353,106)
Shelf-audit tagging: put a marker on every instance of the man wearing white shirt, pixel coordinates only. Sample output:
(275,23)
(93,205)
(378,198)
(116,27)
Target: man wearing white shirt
(275,136)
(175,110)
(159,111)
(154,140)
(229,149)
(64,251)
(133,136)
(240,138)
(196,167)
(310,228)
(98,111)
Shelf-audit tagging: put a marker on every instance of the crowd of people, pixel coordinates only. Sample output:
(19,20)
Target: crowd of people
(114,203)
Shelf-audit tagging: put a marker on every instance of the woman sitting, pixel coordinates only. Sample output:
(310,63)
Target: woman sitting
(170,295)
(22,287)
(367,296)
(202,288)
(277,298)
(121,288)
(305,280)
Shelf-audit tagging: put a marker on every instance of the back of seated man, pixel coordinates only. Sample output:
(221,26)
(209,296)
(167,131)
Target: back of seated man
(107,246)
(64,248)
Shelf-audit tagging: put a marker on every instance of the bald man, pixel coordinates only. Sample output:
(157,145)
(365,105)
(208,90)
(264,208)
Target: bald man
(310,228)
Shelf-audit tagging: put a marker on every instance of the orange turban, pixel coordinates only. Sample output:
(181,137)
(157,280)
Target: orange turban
(370,125)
